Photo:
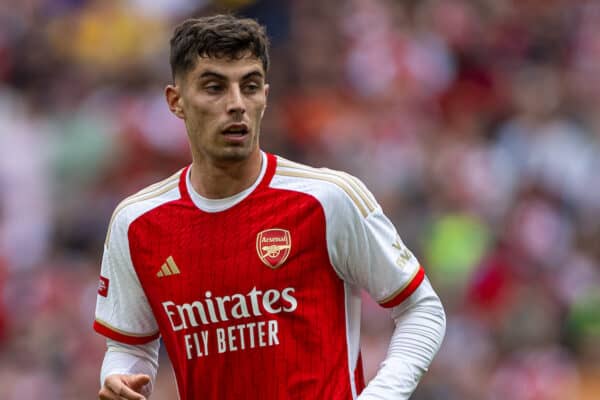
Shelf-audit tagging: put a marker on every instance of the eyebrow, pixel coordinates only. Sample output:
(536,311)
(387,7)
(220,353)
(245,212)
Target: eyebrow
(216,75)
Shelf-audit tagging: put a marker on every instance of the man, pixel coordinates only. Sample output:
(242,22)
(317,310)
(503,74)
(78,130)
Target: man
(250,266)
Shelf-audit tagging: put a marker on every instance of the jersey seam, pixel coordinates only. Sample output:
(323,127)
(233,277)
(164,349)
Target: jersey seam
(349,184)
(125,333)
(400,290)
(163,187)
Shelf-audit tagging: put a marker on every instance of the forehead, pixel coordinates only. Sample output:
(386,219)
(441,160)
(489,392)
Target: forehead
(229,68)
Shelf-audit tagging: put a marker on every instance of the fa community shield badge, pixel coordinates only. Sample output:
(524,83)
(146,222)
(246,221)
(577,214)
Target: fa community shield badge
(273,246)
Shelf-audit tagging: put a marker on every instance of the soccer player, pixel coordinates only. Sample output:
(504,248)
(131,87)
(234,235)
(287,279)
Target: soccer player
(250,266)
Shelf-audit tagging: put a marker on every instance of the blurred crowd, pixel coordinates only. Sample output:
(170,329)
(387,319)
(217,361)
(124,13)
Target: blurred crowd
(476,124)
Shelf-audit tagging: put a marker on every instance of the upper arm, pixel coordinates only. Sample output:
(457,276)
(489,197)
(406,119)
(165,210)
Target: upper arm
(122,309)
(366,251)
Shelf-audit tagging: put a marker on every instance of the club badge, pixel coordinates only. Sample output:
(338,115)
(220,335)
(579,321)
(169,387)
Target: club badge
(273,247)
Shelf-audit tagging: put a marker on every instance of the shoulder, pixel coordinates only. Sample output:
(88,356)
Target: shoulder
(334,189)
(141,202)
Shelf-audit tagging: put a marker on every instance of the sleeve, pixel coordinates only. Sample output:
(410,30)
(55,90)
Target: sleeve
(420,327)
(366,250)
(122,309)
(130,360)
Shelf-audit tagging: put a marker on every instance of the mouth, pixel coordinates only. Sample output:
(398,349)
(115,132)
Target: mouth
(235,130)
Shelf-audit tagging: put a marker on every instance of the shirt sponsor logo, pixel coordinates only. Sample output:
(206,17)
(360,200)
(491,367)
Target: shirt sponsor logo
(273,246)
(243,321)
(211,310)
(405,255)
(103,286)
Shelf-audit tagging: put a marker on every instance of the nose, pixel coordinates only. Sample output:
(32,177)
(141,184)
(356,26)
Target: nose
(235,101)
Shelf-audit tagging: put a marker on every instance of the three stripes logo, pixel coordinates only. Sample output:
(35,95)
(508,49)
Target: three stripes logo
(168,268)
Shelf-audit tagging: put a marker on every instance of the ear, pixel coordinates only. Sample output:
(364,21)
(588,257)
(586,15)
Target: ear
(174,100)
(267,97)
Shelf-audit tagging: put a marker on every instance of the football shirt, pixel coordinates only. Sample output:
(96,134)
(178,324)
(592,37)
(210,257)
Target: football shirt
(256,296)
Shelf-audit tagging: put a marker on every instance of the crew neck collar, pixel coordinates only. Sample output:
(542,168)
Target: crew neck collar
(217,205)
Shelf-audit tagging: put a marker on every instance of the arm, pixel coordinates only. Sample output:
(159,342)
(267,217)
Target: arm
(420,326)
(124,316)
(368,253)
(129,370)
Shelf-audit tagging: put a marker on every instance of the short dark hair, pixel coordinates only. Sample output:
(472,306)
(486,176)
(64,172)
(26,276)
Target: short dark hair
(218,36)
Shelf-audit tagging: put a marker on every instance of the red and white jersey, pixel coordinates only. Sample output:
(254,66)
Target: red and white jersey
(256,296)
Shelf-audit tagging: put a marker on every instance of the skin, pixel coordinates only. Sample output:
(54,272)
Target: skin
(213,96)
(119,387)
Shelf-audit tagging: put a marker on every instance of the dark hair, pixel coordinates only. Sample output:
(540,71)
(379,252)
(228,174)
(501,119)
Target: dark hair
(218,36)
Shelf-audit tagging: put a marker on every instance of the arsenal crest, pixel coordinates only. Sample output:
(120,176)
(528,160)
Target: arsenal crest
(273,247)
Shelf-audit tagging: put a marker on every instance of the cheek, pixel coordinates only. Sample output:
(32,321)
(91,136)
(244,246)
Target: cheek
(202,105)
(203,116)
(260,110)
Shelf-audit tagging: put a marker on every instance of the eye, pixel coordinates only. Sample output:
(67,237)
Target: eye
(213,88)
(251,87)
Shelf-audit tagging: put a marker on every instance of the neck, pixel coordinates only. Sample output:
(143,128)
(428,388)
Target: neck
(217,180)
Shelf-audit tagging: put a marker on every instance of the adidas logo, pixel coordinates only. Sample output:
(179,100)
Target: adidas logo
(168,268)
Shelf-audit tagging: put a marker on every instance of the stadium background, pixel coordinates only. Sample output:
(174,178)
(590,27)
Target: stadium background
(475,123)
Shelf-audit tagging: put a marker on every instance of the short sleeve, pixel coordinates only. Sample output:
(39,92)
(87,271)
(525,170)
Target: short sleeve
(366,251)
(122,309)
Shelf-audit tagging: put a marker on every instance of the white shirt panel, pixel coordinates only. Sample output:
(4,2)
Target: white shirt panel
(353,315)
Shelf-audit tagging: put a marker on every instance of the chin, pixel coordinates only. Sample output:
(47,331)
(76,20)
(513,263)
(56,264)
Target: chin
(235,154)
